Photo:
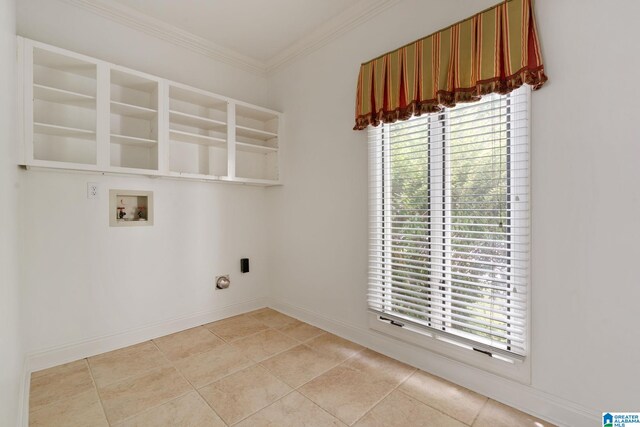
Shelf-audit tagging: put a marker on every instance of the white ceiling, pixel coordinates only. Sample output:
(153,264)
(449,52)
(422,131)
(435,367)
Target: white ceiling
(259,29)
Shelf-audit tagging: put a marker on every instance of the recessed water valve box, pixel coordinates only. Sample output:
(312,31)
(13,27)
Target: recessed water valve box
(128,207)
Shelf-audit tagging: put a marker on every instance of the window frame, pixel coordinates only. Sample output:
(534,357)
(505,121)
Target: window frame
(516,367)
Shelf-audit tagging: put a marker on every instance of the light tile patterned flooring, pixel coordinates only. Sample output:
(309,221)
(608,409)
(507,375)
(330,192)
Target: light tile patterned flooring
(257,369)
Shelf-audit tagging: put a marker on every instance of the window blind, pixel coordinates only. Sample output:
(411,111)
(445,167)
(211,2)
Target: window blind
(449,223)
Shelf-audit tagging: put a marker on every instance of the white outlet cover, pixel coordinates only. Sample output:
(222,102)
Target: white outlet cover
(92,190)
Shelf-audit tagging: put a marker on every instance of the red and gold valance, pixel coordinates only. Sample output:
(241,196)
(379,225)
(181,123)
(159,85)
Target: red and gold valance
(496,50)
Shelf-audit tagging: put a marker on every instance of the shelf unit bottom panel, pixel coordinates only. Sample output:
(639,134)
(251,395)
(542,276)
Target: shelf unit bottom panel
(197,159)
(257,165)
(61,148)
(134,156)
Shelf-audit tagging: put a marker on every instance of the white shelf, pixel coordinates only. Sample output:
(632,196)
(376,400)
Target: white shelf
(255,133)
(197,97)
(198,176)
(63,63)
(195,121)
(55,130)
(54,164)
(255,148)
(61,96)
(132,81)
(194,138)
(255,113)
(254,181)
(132,140)
(114,170)
(133,170)
(131,110)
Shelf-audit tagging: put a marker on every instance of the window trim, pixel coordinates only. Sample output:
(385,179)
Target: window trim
(509,366)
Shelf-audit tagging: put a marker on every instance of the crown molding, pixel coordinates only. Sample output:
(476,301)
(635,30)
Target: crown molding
(324,34)
(344,22)
(139,21)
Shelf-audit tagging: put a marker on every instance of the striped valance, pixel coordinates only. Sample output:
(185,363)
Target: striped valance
(496,50)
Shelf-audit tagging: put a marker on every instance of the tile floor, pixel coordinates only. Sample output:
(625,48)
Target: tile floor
(257,369)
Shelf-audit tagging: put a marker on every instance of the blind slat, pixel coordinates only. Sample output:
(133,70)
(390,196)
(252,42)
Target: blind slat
(514,303)
(467,285)
(450,262)
(432,251)
(452,298)
(487,323)
(495,333)
(454,265)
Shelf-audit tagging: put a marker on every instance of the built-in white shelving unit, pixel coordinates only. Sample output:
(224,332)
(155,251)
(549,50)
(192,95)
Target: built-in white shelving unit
(134,120)
(63,113)
(86,114)
(256,140)
(197,133)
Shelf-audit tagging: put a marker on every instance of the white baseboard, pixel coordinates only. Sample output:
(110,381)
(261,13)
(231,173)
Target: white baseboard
(23,408)
(543,405)
(58,355)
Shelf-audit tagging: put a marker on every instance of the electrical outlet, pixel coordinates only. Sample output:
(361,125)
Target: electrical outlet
(92,190)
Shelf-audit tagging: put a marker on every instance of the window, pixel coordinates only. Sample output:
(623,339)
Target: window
(449,225)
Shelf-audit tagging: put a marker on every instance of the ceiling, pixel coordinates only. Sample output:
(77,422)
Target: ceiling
(255,35)
(260,30)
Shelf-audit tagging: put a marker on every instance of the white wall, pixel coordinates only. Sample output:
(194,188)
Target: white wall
(11,357)
(585,198)
(83,279)
(88,287)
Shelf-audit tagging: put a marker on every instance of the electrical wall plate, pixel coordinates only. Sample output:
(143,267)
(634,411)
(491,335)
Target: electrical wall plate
(244,265)
(92,190)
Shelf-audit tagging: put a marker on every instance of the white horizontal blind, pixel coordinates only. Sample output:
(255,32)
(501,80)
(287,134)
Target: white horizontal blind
(449,223)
